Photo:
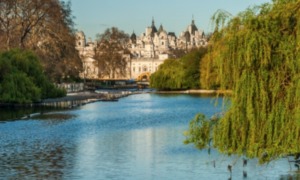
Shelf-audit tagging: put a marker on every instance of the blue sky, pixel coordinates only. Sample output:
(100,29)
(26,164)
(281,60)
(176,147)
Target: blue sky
(94,16)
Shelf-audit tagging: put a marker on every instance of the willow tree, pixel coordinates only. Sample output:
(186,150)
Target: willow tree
(257,55)
(182,73)
(169,76)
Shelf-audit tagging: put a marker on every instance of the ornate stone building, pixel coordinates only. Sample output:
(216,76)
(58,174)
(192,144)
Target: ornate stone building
(148,50)
(191,38)
(86,51)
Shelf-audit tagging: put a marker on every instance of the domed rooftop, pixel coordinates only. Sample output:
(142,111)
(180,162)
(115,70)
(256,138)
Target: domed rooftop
(80,34)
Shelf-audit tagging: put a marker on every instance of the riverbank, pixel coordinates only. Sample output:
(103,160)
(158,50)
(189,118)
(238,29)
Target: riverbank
(73,99)
(82,98)
(196,91)
(86,97)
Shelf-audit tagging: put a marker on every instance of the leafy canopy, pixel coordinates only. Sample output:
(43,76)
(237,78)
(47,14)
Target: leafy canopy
(182,73)
(22,79)
(257,55)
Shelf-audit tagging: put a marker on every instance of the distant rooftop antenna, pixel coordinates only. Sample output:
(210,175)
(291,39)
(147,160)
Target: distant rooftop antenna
(193,20)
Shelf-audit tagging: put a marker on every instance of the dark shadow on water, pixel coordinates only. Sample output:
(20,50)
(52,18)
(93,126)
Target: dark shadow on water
(17,113)
(53,116)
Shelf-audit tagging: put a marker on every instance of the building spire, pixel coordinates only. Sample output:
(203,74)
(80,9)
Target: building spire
(153,24)
(193,20)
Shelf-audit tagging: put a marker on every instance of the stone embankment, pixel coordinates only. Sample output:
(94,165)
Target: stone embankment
(82,98)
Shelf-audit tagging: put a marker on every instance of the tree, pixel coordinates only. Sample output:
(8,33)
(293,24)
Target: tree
(22,79)
(169,76)
(182,73)
(191,63)
(45,27)
(177,53)
(257,54)
(209,71)
(110,53)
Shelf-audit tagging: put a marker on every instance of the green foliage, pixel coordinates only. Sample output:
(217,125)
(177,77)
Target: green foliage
(257,55)
(199,132)
(209,71)
(180,73)
(191,63)
(18,88)
(22,79)
(169,76)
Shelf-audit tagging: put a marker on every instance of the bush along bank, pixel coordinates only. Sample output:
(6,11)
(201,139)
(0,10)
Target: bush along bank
(22,80)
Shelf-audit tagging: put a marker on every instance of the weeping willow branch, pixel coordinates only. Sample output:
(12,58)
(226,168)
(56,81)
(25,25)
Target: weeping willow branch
(257,55)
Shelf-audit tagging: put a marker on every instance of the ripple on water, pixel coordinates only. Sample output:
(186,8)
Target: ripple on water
(138,137)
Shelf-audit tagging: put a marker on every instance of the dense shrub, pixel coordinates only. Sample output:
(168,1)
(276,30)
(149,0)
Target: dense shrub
(22,79)
(181,73)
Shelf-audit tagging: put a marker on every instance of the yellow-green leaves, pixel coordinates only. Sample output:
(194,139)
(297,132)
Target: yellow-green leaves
(199,132)
(257,56)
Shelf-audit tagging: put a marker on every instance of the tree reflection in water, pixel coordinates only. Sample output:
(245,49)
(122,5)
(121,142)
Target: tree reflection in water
(49,162)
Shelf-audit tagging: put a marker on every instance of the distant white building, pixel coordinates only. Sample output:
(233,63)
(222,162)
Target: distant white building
(192,37)
(148,50)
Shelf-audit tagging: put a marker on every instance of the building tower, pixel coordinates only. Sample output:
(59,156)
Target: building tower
(80,40)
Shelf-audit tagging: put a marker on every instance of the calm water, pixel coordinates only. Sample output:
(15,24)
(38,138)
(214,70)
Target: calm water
(139,137)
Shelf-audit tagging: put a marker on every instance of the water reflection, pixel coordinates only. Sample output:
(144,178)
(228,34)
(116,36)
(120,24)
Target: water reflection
(139,137)
(15,113)
(54,116)
(37,162)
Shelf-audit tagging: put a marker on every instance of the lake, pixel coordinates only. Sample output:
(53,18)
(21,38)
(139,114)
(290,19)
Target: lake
(138,137)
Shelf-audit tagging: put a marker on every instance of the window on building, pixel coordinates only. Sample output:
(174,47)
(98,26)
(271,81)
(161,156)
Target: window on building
(133,69)
(145,68)
(139,69)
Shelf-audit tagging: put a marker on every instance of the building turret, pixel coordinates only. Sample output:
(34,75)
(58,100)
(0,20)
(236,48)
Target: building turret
(133,38)
(80,39)
(192,28)
(153,28)
(161,29)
